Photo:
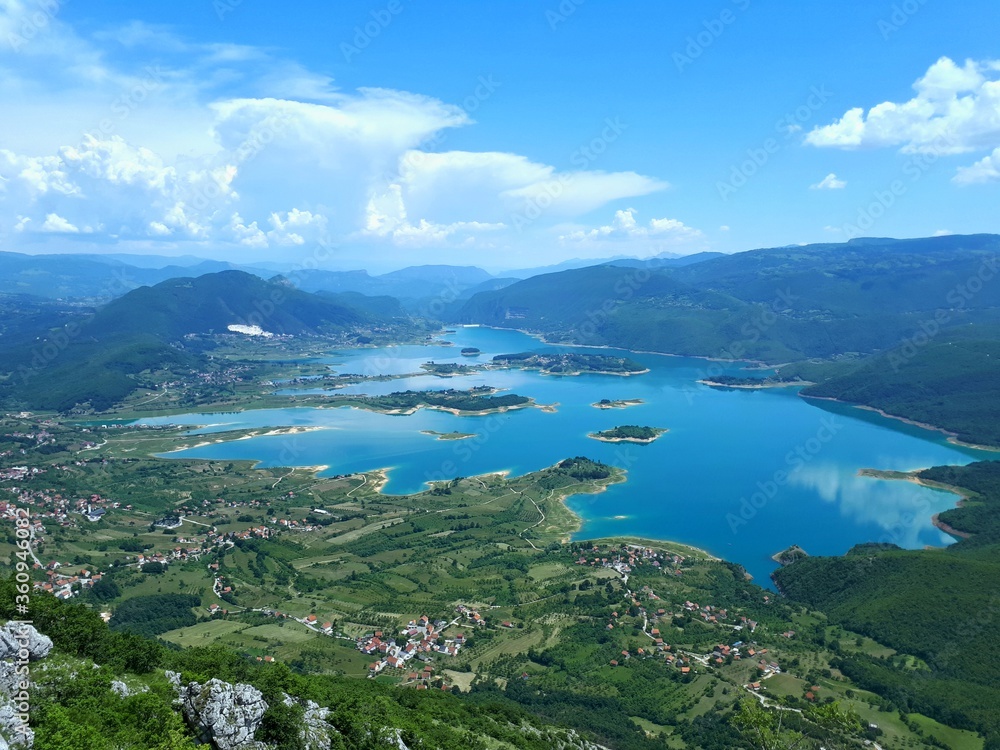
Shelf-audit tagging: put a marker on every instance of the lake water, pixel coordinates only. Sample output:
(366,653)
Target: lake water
(741,474)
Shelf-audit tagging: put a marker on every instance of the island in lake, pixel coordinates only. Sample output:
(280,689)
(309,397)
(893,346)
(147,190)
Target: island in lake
(606,403)
(448,369)
(571,364)
(629,433)
(471,351)
(475,401)
(449,435)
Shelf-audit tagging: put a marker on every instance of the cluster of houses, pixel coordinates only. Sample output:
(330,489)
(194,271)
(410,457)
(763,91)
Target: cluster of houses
(65,585)
(422,638)
(470,614)
(630,556)
(53,507)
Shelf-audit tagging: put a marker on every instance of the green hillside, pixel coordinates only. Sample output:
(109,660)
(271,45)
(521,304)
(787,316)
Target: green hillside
(776,305)
(61,358)
(210,303)
(940,605)
(953,384)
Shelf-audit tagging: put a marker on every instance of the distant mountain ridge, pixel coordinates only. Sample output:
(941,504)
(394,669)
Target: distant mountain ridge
(212,302)
(776,305)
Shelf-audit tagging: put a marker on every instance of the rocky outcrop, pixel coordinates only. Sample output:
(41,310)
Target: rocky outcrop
(17,642)
(14,636)
(225,715)
(317,733)
(122,690)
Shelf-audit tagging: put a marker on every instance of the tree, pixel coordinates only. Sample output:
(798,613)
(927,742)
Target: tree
(764,729)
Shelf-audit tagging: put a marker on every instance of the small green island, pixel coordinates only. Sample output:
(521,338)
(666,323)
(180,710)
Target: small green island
(629,433)
(448,369)
(471,351)
(449,435)
(571,364)
(606,403)
(474,401)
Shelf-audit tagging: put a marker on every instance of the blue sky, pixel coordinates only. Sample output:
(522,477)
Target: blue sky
(501,134)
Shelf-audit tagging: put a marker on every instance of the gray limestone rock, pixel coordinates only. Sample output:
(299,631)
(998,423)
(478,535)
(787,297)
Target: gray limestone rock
(226,715)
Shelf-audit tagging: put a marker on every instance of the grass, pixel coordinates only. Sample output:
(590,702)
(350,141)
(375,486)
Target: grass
(203,633)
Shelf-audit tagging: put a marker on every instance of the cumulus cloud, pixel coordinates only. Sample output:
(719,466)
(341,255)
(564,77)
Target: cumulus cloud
(986,169)
(830,182)
(57,224)
(126,190)
(472,192)
(625,227)
(956,109)
(228,144)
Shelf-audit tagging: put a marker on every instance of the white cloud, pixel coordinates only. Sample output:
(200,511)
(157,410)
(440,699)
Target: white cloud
(986,169)
(955,110)
(468,193)
(830,182)
(229,145)
(56,223)
(624,227)
(293,227)
(724,228)
(943,233)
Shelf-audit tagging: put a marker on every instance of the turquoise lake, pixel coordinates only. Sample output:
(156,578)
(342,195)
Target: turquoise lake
(741,474)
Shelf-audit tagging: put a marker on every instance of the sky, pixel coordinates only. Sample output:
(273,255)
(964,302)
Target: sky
(501,134)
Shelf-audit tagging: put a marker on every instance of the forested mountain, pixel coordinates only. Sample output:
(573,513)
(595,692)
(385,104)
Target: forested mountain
(210,303)
(940,605)
(952,382)
(775,305)
(90,357)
